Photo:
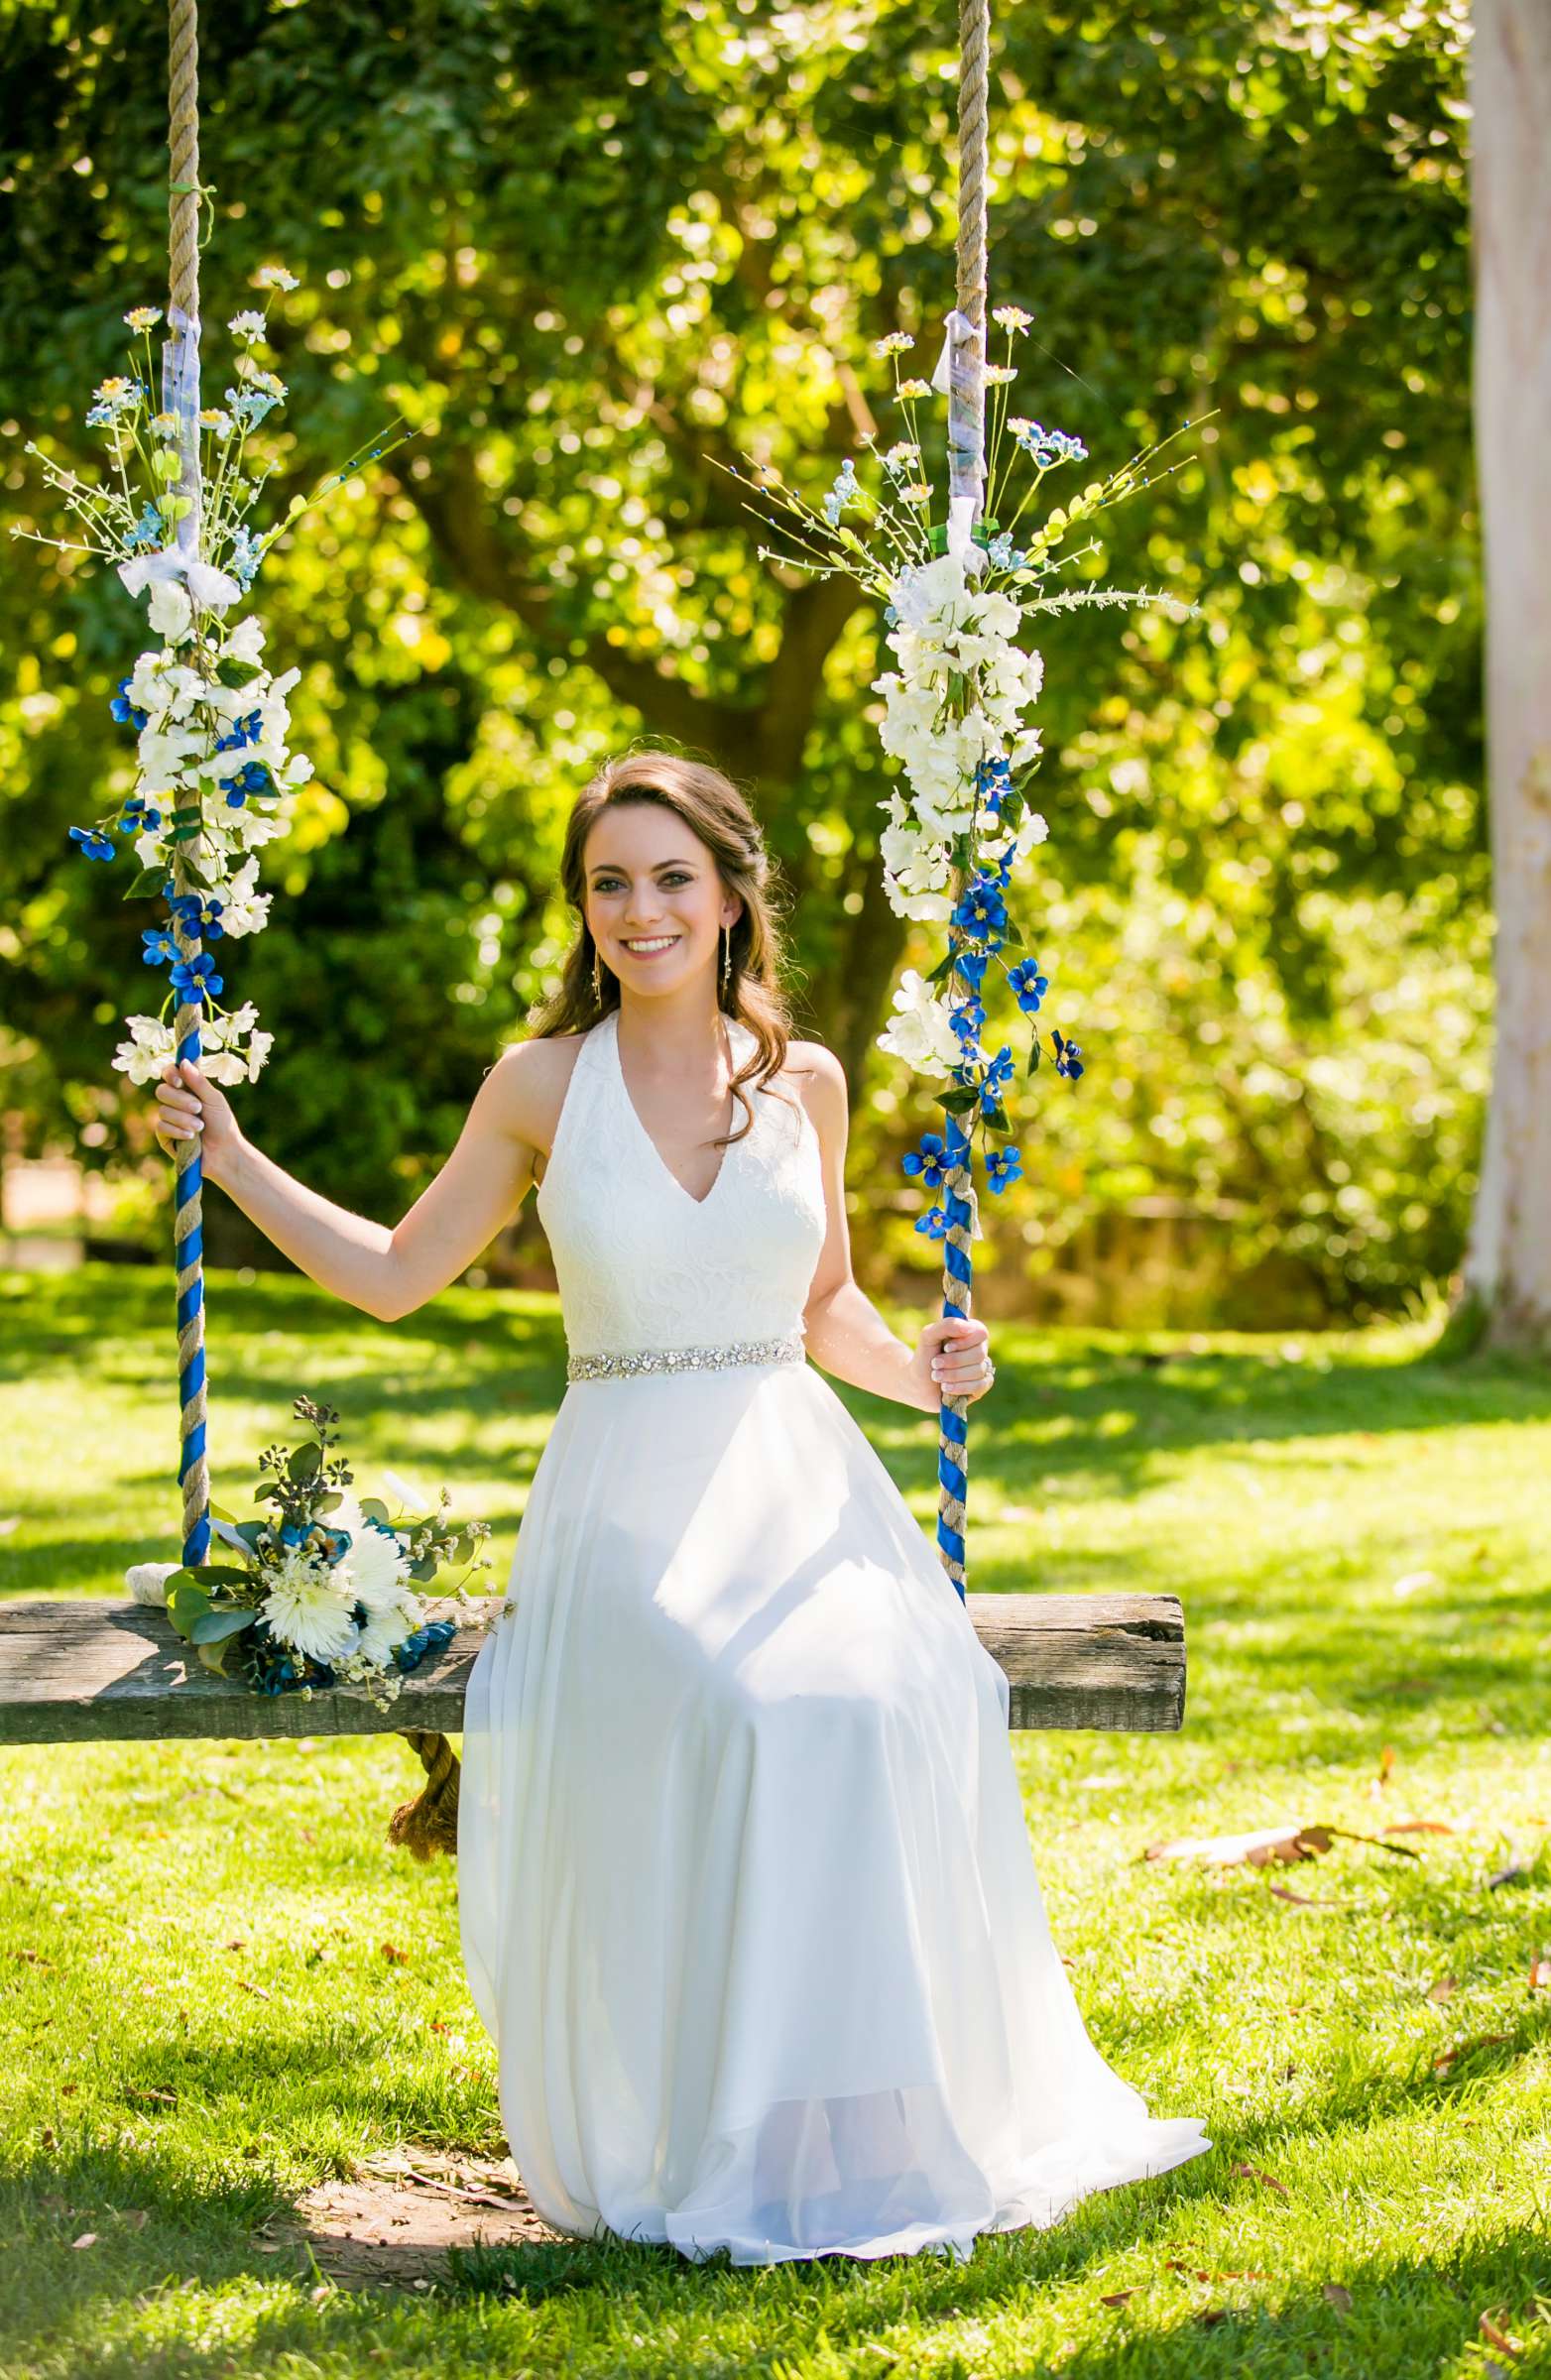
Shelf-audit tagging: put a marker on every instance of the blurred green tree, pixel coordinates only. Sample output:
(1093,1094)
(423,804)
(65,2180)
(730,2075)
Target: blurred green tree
(598,253)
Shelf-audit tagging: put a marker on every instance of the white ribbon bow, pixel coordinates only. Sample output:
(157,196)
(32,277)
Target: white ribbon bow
(206,585)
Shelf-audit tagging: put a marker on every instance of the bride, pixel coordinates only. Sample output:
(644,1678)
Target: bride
(747,1898)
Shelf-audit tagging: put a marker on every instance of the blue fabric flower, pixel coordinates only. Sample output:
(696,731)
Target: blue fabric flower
(927,1160)
(1003,1165)
(253,778)
(94,843)
(198,915)
(982,912)
(1028,985)
(127,713)
(197,980)
(966,1018)
(246,729)
(934,1222)
(1067,1054)
(138,816)
(160,948)
(972,965)
(1000,1069)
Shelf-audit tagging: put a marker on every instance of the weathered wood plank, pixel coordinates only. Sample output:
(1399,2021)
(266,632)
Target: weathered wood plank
(100,1671)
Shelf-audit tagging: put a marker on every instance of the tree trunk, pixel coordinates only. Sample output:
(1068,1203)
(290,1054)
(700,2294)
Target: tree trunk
(1508,1265)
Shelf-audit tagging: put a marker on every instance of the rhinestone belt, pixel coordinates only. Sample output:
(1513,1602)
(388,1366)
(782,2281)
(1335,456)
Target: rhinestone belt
(789,1350)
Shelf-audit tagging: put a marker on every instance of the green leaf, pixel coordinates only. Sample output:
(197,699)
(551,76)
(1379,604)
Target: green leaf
(942,968)
(959,1102)
(305,1461)
(374,1507)
(213,1656)
(233,672)
(423,1569)
(216,1625)
(330,1502)
(1031,1062)
(250,1531)
(185,1605)
(150,880)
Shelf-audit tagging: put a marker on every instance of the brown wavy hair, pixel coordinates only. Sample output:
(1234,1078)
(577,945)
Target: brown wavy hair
(717,811)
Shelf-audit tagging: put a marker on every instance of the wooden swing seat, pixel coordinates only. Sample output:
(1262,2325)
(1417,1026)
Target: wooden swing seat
(101,1671)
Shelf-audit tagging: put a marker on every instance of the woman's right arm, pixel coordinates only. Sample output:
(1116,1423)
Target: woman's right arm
(386,1272)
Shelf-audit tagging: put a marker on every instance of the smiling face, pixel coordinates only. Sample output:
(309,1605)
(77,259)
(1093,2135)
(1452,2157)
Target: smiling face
(655,902)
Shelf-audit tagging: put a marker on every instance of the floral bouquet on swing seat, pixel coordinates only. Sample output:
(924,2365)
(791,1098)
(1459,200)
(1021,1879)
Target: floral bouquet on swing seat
(330,1588)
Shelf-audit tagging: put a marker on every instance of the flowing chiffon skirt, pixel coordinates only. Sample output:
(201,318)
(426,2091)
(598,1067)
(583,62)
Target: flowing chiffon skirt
(746,1896)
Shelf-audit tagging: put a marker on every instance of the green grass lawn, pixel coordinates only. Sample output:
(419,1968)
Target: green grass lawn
(1360,1539)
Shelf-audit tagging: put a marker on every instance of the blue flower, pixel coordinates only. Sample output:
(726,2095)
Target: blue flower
(998,1070)
(1028,985)
(160,948)
(245,557)
(127,713)
(966,1018)
(927,1160)
(199,914)
(252,778)
(982,912)
(972,965)
(934,1222)
(147,530)
(1050,446)
(246,729)
(138,816)
(1003,1165)
(197,979)
(1001,555)
(1067,1054)
(993,782)
(94,843)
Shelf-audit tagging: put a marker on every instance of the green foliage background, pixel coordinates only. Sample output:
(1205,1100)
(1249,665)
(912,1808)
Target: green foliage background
(595,251)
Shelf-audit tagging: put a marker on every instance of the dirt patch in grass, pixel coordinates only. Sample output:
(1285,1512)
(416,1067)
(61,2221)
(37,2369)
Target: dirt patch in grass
(393,2221)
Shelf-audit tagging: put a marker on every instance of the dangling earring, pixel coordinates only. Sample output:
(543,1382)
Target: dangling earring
(727,954)
(597,978)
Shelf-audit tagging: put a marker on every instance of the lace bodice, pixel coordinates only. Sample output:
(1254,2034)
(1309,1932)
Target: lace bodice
(640,1262)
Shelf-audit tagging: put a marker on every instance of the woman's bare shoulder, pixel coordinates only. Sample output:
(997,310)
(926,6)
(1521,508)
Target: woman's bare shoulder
(532,1077)
(818,1079)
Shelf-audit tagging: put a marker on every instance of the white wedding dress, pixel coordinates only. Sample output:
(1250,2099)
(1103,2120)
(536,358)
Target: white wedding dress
(747,1898)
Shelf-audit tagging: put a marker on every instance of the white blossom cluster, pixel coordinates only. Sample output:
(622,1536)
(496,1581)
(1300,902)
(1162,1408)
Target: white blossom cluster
(190,712)
(957,698)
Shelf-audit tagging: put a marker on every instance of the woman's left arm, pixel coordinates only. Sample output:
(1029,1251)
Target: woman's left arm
(846,1334)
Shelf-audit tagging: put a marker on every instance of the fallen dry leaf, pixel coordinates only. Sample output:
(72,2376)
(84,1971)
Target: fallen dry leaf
(88,2239)
(238,1945)
(1462,2049)
(1445,1988)
(1540,1973)
(1387,1764)
(394,1956)
(1503,2340)
(1417,1826)
(255,1991)
(1267,1844)
(1254,2173)
(1335,2294)
(1117,2296)
(1301,1900)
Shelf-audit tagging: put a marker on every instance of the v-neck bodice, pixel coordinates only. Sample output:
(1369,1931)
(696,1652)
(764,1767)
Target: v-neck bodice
(612,1041)
(640,1261)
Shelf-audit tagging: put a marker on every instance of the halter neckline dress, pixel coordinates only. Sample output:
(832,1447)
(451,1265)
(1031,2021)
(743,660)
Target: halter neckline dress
(747,1898)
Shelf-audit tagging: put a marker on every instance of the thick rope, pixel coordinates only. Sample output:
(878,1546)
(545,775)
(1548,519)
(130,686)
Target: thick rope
(966,478)
(429,1822)
(180,393)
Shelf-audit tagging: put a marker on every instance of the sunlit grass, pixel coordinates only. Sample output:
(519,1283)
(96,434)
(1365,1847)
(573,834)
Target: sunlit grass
(201,2018)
